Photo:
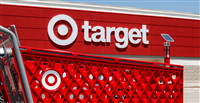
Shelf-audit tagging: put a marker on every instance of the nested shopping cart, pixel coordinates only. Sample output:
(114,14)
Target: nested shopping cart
(35,75)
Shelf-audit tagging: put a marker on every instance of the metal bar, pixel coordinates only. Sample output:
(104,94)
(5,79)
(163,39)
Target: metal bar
(2,66)
(15,31)
(11,72)
(99,58)
(66,54)
(136,62)
(19,63)
(4,43)
(13,78)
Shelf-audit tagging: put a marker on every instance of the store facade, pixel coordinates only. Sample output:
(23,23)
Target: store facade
(106,30)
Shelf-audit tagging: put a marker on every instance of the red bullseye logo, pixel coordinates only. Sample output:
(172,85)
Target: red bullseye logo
(51,80)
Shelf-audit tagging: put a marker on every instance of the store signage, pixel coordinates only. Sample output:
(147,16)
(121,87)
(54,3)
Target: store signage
(100,33)
(62,30)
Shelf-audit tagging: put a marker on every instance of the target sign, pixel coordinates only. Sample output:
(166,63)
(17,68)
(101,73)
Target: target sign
(51,80)
(62,29)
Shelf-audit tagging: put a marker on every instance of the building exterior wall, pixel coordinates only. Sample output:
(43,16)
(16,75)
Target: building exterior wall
(32,22)
(32,18)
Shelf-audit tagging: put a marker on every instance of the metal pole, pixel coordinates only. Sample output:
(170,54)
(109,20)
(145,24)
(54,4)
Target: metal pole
(167,52)
(19,63)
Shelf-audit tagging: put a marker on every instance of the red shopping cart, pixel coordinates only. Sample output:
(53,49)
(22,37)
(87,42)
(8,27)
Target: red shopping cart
(47,76)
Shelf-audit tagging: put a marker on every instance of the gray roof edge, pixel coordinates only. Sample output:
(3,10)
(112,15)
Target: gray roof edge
(102,8)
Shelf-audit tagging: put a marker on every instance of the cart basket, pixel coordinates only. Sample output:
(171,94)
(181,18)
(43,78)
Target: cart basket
(52,76)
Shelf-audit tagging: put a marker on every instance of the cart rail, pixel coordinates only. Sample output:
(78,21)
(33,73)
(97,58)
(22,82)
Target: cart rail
(87,78)
(48,76)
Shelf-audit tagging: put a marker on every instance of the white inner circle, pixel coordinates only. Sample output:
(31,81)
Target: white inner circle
(62,30)
(51,79)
